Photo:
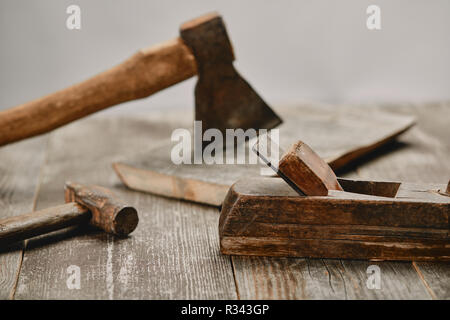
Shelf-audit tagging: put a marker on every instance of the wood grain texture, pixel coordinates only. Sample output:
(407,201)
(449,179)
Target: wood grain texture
(328,130)
(435,277)
(172,254)
(420,156)
(265,217)
(163,243)
(20,167)
(297,278)
(289,278)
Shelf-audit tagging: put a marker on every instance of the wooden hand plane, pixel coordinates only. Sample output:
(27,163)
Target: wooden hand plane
(318,215)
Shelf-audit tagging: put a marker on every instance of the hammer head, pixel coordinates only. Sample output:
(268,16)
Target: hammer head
(108,212)
(223,99)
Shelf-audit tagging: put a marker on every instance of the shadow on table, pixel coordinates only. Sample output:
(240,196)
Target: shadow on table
(84,231)
(388,148)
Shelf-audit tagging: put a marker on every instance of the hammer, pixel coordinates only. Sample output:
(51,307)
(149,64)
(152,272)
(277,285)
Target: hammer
(95,205)
(223,99)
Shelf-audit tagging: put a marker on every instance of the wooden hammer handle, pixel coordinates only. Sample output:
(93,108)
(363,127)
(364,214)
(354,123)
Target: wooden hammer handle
(40,222)
(148,71)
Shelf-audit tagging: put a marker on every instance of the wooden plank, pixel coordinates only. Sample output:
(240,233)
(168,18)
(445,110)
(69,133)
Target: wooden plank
(296,278)
(399,280)
(20,166)
(173,254)
(436,277)
(328,130)
(425,159)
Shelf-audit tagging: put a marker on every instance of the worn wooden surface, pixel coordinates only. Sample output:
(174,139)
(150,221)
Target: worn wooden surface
(422,156)
(329,131)
(264,216)
(418,153)
(20,172)
(174,252)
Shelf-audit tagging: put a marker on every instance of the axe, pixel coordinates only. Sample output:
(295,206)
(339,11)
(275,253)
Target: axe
(223,99)
(95,205)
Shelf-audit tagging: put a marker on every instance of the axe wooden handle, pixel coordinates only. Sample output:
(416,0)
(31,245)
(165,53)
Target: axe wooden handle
(148,71)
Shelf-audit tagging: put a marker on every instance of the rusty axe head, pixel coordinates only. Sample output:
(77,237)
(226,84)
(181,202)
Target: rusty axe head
(223,99)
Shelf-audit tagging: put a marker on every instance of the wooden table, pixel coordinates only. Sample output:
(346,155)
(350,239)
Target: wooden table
(174,253)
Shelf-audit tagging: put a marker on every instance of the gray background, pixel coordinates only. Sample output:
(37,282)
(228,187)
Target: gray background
(304,50)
